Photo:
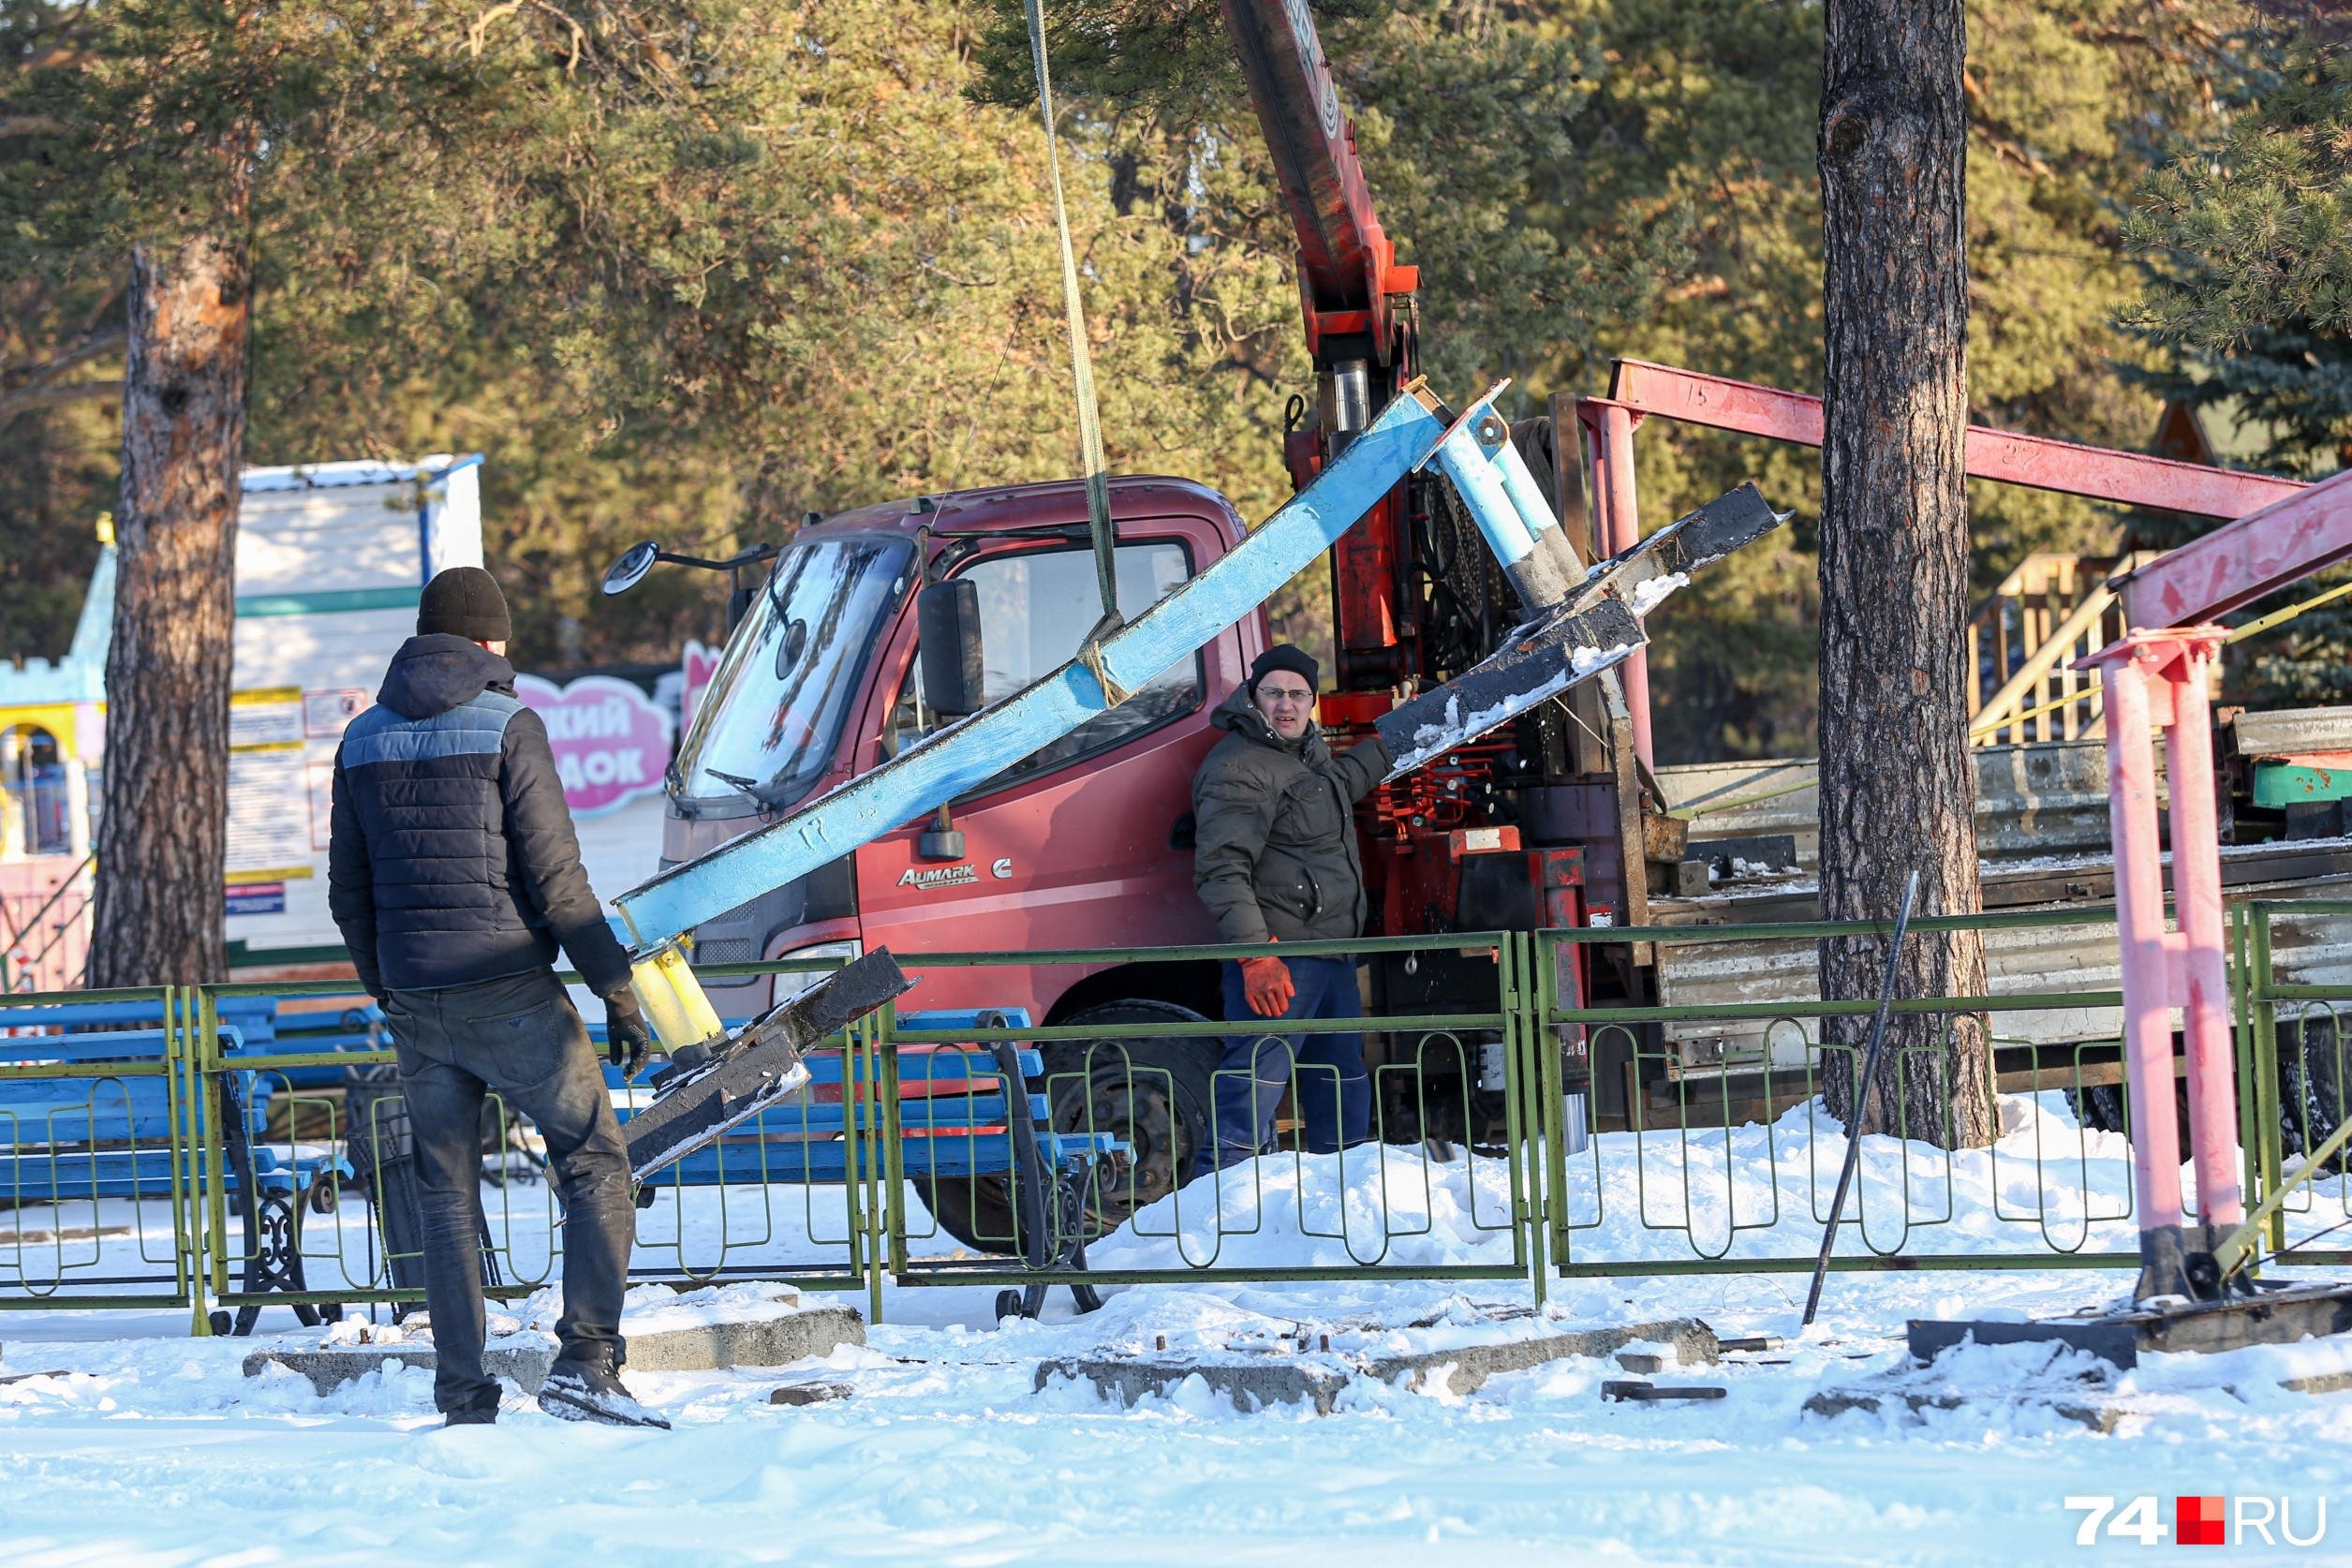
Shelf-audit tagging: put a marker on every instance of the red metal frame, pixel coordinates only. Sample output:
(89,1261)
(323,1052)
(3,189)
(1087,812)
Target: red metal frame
(2259,553)
(2158,679)
(2242,562)
(2279,531)
(2036,462)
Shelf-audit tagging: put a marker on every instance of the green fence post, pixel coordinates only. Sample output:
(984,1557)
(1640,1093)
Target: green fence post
(184,1266)
(869,1160)
(893,1143)
(2251,1094)
(1510,978)
(210,1195)
(2271,1132)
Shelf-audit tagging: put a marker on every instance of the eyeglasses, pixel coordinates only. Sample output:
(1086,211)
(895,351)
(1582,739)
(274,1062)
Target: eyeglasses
(1286,694)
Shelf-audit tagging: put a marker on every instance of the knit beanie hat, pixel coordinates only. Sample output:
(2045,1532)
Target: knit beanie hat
(464,601)
(1282,656)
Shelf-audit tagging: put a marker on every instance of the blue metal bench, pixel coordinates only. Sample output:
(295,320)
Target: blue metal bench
(955,1121)
(101,1135)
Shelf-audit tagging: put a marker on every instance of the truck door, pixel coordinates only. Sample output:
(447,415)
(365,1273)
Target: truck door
(1077,845)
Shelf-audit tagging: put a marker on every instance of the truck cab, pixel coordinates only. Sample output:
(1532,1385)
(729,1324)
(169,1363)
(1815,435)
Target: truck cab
(1085,844)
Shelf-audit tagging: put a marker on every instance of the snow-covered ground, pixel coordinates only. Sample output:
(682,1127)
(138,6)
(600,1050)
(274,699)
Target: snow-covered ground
(154,1448)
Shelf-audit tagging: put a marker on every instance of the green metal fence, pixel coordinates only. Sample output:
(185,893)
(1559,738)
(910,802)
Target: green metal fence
(1154,1087)
(358,1241)
(1720,1158)
(2292,1049)
(1637,1201)
(101,1181)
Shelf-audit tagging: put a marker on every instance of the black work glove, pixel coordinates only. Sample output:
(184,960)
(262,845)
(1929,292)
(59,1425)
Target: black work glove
(626,1039)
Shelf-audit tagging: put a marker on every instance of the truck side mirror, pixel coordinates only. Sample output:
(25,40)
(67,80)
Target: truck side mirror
(630,569)
(947,619)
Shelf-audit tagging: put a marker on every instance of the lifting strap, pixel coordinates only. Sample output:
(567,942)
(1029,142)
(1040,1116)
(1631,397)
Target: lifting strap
(1082,372)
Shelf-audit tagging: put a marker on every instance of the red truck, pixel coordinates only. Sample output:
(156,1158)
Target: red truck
(1088,844)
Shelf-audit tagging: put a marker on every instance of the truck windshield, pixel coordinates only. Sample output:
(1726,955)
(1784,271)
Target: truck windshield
(767,725)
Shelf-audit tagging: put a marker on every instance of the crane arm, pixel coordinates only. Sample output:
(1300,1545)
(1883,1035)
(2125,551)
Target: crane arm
(1347,268)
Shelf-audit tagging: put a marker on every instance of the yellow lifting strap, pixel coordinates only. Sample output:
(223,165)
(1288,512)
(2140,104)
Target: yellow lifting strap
(1082,374)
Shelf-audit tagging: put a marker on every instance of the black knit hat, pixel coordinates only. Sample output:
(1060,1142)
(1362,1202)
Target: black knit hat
(1282,656)
(464,601)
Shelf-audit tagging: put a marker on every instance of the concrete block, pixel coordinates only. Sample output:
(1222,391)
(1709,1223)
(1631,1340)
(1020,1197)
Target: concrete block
(1261,1381)
(762,1342)
(1911,1406)
(2320,1383)
(1694,1343)
(1247,1385)
(705,1347)
(528,1364)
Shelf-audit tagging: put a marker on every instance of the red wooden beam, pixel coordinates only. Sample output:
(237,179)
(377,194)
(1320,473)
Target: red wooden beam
(2037,462)
(2258,554)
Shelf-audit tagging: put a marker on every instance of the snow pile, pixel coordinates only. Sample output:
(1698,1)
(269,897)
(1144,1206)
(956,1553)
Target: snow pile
(1651,592)
(661,1310)
(1759,1191)
(1377,1205)
(2048,1186)
(158,1449)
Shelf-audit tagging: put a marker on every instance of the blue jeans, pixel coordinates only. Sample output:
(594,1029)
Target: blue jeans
(1334,1095)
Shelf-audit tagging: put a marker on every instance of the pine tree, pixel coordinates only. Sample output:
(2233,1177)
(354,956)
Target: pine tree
(2250,290)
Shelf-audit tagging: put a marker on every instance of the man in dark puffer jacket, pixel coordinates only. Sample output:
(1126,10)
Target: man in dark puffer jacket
(1275,860)
(453,874)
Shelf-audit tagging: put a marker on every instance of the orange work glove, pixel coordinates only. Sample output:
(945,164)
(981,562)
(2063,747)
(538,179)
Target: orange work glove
(1266,982)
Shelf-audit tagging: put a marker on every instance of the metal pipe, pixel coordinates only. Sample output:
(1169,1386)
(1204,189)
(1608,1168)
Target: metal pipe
(1535,512)
(1343,398)
(1471,466)
(1620,530)
(2147,975)
(2196,893)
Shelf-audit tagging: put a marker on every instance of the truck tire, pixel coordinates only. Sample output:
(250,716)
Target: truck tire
(1153,1095)
(1127,1086)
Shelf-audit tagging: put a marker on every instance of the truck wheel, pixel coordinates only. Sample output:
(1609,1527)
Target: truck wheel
(1152,1095)
(1102,1086)
(976,1210)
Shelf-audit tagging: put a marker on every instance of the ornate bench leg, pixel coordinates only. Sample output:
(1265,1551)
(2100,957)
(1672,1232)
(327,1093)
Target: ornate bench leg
(274,1258)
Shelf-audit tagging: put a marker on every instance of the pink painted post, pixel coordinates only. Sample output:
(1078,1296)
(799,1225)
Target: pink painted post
(2131,792)
(1620,530)
(2197,895)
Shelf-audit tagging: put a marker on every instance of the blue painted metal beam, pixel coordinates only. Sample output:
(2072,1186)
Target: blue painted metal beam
(1502,496)
(967,754)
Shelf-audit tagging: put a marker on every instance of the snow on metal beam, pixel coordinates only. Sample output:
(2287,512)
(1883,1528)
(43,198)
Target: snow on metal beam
(2036,462)
(1594,628)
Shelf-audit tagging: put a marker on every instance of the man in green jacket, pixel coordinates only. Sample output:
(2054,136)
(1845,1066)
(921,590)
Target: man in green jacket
(1276,861)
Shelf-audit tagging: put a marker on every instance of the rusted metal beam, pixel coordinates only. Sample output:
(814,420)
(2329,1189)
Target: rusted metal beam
(2036,462)
(2257,554)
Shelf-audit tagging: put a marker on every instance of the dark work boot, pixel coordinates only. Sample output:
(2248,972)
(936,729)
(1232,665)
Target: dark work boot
(592,1391)
(486,1416)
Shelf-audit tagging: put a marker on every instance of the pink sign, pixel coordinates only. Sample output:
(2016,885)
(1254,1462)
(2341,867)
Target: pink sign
(611,743)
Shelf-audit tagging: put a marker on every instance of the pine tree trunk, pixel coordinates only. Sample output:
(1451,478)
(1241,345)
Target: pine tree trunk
(1897,786)
(162,841)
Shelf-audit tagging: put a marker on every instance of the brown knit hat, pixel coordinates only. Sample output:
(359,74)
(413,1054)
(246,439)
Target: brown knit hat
(464,601)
